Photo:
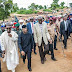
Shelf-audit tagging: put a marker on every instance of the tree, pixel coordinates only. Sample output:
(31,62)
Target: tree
(54,5)
(40,7)
(5,7)
(45,7)
(32,6)
(62,4)
(15,7)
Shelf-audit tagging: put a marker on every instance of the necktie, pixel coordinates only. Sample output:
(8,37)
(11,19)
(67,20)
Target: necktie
(32,27)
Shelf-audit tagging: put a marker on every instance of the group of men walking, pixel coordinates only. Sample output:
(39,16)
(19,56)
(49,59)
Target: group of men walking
(39,32)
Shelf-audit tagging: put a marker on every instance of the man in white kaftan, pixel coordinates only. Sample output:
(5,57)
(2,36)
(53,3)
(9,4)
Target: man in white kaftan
(9,46)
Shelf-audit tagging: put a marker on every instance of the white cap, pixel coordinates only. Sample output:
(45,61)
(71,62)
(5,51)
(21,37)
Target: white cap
(21,20)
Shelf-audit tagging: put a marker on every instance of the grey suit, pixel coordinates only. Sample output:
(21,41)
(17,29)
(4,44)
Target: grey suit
(64,32)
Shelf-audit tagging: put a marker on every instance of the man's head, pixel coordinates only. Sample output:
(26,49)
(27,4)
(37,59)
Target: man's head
(40,20)
(47,18)
(8,27)
(21,21)
(3,27)
(31,19)
(65,17)
(17,26)
(71,15)
(51,21)
(24,29)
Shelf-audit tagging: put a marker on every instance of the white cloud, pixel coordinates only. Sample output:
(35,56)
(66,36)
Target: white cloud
(26,3)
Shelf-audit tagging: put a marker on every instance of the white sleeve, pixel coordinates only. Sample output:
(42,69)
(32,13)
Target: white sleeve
(14,37)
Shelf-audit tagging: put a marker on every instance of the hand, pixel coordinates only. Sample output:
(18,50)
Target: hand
(50,41)
(32,50)
(36,44)
(3,55)
(9,35)
(23,53)
(59,34)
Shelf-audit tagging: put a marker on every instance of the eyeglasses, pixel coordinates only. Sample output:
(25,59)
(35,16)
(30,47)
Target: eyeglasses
(8,28)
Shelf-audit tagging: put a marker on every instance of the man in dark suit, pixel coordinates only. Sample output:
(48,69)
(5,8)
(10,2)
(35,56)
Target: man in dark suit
(64,30)
(25,45)
(30,27)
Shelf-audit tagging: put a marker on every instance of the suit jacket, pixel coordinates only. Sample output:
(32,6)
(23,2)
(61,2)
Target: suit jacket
(25,42)
(62,27)
(38,35)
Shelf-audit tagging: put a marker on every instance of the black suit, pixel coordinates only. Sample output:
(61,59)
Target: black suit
(64,32)
(25,44)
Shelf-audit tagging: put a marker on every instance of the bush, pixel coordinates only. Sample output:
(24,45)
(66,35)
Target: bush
(48,10)
(36,12)
(25,12)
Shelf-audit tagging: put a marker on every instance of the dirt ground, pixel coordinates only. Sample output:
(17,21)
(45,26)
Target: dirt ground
(63,64)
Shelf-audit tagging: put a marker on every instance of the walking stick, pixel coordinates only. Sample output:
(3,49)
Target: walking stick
(62,48)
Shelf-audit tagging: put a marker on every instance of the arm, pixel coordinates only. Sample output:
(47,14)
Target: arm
(19,43)
(14,37)
(47,33)
(35,35)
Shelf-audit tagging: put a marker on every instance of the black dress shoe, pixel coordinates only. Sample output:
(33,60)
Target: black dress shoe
(35,53)
(30,69)
(55,48)
(65,47)
(54,59)
(49,53)
(42,62)
(45,59)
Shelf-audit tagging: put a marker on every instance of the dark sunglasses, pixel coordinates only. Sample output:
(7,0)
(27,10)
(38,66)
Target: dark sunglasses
(8,28)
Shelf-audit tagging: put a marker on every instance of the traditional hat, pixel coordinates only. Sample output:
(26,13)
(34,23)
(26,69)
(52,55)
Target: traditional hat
(24,26)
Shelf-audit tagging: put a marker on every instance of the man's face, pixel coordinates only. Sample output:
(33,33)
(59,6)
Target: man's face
(17,27)
(8,29)
(47,19)
(21,22)
(3,28)
(65,18)
(24,30)
(51,21)
(71,16)
(40,21)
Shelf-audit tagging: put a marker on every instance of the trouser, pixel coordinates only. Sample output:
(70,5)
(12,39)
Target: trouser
(41,52)
(65,38)
(28,58)
(55,41)
(34,44)
(51,49)
(0,64)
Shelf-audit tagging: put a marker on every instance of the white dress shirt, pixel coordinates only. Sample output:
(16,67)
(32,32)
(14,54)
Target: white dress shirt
(65,22)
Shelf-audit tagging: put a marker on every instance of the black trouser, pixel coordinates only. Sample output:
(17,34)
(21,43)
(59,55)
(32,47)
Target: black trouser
(34,45)
(51,49)
(29,59)
(0,65)
(41,52)
(65,38)
(55,41)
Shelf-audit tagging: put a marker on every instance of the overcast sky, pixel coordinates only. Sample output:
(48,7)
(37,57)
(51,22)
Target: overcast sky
(26,3)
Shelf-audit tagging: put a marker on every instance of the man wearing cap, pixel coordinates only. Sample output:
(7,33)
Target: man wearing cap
(71,23)
(47,20)
(42,36)
(9,47)
(64,30)
(51,30)
(25,45)
(30,27)
(2,29)
(21,23)
(17,29)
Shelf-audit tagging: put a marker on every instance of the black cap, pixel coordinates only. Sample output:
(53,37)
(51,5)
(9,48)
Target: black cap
(24,26)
